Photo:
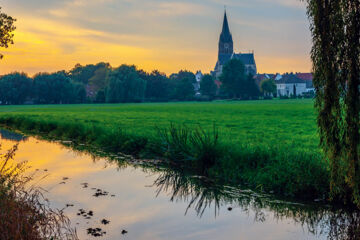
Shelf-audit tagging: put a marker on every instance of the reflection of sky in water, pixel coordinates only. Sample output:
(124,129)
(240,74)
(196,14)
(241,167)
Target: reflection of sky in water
(135,206)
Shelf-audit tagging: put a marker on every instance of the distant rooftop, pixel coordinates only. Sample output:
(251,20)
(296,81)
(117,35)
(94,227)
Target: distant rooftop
(290,78)
(305,76)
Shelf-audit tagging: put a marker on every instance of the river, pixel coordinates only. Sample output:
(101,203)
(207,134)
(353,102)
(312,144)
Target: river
(128,200)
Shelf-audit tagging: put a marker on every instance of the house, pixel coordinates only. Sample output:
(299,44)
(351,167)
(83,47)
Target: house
(308,78)
(289,85)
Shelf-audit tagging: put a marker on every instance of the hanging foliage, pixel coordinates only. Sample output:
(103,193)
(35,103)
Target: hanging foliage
(335,27)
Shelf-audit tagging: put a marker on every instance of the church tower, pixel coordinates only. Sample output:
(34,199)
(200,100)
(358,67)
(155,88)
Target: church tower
(226,52)
(226,45)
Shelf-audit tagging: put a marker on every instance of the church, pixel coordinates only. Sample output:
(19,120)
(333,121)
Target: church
(226,52)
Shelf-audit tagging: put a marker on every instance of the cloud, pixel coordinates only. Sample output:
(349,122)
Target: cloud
(154,34)
(260,3)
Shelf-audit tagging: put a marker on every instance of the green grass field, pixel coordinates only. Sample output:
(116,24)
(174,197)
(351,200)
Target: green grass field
(275,141)
(278,122)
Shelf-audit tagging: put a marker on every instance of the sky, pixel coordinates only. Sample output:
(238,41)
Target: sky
(168,36)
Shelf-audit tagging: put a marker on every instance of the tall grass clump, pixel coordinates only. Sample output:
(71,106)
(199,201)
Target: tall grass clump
(196,147)
(24,213)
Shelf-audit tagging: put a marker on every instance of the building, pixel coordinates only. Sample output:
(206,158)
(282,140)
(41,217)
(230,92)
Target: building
(198,77)
(308,78)
(289,85)
(226,52)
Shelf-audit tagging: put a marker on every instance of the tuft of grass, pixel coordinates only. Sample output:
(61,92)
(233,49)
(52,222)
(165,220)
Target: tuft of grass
(197,148)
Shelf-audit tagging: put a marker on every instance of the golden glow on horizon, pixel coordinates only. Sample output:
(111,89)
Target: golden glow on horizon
(43,45)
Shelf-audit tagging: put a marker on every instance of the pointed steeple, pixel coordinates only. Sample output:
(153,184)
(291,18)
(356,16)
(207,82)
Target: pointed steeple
(225,28)
(225,33)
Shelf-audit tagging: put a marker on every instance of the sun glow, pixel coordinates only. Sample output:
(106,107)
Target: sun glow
(163,36)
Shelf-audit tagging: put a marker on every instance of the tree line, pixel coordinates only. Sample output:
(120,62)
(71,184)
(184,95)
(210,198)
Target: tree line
(101,83)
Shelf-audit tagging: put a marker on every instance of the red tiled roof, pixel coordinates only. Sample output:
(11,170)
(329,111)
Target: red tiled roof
(305,76)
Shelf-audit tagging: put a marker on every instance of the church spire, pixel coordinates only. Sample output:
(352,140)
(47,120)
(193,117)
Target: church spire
(225,28)
(226,42)
(225,33)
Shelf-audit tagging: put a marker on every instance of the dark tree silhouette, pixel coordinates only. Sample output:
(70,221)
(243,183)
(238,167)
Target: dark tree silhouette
(236,82)
(208,86)
(233,78)
(6,31)
(335,27)
(125,85)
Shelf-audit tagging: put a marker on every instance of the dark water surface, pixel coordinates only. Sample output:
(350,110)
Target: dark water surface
(150,203)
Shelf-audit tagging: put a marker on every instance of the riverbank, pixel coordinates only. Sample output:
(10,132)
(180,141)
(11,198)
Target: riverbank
(270,146)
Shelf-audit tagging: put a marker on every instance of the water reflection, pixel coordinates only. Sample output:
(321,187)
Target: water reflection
(212,210)
(12,136)
(202,194)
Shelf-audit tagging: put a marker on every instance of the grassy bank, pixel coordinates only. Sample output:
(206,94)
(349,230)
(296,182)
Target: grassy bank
(268,145)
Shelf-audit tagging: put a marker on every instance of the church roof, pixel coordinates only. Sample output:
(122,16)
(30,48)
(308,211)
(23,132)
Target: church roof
(224,58)
(246,58)
(225,35)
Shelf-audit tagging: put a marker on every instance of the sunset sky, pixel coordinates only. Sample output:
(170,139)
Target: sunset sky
(53,35)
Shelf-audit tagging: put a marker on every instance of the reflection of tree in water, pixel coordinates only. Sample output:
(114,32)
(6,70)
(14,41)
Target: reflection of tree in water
(8,135)
(345,225)
(202,193)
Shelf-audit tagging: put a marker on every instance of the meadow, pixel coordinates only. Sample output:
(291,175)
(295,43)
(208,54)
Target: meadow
(269,145)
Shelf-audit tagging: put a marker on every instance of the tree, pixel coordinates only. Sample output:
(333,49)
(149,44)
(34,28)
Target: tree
(55,88)
(236,82)
(252,88)
(125,85)
(98,79)
(6,31)
(335,27)
(182,85)
(93,76)
(208,86)
(233,78)
(157,86)
(294,91)
(79,93)
(268,87)
(100,97)
(15,88)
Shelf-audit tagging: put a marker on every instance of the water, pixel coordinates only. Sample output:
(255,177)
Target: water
(152,203)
